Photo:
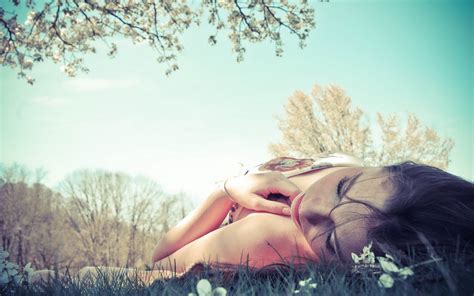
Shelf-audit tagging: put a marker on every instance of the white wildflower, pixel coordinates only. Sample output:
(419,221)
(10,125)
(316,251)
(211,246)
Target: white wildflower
(306,286)
(204,288)
(367,256)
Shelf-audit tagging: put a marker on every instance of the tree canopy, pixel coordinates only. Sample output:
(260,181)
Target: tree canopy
(334,125)
(65,30)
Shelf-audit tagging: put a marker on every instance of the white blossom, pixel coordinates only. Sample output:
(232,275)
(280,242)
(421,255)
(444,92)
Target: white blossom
(305,286)
(204,288)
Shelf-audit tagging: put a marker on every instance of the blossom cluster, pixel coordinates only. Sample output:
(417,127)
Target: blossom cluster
(62,31)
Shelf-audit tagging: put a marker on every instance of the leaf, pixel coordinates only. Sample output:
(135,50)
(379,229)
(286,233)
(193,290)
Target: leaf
(18,279)
(385,281)
(4,254)
(219,291)
(29,270)
(405,272)
(387,266)
(204,287)
(10,265)
(4,279)
(12,271)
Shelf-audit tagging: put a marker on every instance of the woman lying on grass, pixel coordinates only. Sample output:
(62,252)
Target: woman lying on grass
(299,210)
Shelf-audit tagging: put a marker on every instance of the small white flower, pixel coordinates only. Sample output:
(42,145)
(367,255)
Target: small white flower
(57,56)
(367,256)
(385,281)
(355,258)
(305,286)
(367,249)
(204,288)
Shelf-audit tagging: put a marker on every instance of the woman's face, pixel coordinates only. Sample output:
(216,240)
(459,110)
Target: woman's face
(334,232)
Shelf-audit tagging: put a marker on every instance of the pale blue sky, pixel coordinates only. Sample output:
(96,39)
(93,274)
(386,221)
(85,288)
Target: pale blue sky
(194,127)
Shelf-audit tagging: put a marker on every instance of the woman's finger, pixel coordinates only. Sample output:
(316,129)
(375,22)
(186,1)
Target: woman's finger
(285,187)
(264,205)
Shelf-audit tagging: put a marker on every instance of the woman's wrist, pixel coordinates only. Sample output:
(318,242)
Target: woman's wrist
(222,189)
(225,189)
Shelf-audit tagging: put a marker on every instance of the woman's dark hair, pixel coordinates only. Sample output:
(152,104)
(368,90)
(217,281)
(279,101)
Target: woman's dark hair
(429,211)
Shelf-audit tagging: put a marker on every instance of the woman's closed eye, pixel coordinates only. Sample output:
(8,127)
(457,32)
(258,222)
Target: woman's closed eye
(345,184)
(329,246)
(340,185)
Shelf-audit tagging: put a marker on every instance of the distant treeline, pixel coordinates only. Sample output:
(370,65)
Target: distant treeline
(95,217)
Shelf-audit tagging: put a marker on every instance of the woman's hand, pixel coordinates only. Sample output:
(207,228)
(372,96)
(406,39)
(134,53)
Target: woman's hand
(251,191)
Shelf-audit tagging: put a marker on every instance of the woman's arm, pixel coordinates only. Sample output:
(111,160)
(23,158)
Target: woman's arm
(260,238)
(248,190)
(206,218)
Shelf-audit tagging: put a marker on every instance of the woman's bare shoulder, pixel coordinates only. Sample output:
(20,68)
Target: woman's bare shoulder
(269,238)
(262,238)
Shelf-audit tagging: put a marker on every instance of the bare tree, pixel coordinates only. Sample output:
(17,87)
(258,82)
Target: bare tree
(335,126)
(115,217)
(101,218)
(31,219)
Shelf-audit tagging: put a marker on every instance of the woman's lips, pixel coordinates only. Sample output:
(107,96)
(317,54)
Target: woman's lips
(295,209)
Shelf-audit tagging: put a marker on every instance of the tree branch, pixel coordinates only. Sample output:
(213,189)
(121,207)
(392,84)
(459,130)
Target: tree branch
(244,17)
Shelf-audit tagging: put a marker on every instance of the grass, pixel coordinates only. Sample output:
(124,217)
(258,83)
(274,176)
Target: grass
(453,276)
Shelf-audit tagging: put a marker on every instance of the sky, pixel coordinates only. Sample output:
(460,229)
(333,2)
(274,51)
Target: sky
(199,125)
